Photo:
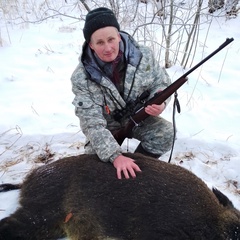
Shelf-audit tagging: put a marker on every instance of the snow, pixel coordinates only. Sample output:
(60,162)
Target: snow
(38,121)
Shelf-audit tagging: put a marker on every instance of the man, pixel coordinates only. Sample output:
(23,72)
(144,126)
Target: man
(114,70)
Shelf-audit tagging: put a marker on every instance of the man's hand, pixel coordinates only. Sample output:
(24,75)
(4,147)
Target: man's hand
(154,109)
(125,165)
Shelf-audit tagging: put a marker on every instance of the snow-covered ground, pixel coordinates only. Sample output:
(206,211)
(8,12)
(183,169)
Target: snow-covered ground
(38,123)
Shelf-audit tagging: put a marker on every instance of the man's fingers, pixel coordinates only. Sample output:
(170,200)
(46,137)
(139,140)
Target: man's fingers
(125,172)
(128,172)
(137,168)
(119,174)
(132,170)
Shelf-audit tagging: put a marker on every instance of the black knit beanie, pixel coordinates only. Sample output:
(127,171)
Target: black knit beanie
(99,18)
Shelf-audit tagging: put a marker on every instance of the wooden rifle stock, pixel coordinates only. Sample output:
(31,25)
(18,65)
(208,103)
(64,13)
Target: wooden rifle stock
(137,117)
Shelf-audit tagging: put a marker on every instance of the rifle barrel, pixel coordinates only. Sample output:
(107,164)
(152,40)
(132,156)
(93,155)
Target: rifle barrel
(140,115)
(228,40)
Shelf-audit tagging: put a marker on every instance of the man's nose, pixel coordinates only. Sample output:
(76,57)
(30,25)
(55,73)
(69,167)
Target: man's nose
(107,47)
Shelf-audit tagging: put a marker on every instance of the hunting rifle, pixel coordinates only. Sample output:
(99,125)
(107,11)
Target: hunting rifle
(139,115)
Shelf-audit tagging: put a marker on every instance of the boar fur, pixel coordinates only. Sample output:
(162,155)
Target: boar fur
(81,198)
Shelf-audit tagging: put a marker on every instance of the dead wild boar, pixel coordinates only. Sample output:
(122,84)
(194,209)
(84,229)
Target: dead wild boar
(81,198)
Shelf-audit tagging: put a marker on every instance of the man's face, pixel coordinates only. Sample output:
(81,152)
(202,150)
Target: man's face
(105,43)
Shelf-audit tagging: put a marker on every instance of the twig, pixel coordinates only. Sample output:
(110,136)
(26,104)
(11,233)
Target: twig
(222,65)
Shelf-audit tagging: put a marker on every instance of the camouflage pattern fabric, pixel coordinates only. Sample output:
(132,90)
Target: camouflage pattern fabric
(93,92)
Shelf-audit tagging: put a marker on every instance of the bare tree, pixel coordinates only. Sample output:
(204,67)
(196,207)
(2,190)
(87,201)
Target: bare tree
(192,35)
(214,5)
(85,5)
(231,6)
(169,27)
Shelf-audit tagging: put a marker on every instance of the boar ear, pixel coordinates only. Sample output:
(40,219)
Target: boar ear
(222,198)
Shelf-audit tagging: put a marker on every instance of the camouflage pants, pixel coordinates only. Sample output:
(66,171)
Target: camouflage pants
(155,135)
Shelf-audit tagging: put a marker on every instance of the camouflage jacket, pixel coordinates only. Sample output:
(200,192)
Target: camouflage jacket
(93,92)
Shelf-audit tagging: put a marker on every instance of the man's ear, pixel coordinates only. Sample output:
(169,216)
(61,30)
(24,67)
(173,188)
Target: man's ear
(90,45)
(119,37)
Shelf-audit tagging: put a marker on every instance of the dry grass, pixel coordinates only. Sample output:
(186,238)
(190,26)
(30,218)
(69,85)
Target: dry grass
(16,148)
(235,185)
(185,156)
(17,134)
(46,156)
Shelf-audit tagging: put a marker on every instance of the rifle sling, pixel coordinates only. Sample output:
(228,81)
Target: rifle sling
(176,104)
